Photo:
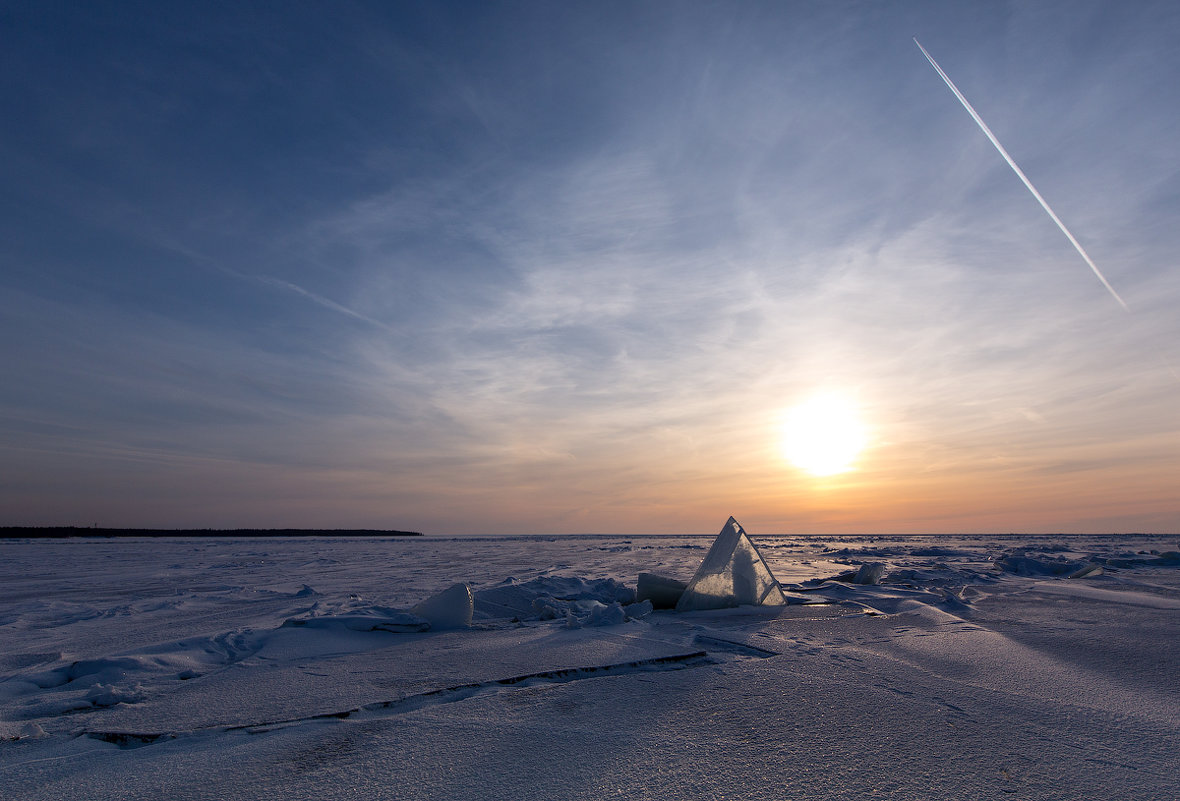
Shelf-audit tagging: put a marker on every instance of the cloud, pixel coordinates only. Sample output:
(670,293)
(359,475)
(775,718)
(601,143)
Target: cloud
(553,268)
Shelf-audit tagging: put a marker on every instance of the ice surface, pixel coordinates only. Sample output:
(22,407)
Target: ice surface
(733,572)
(164,669)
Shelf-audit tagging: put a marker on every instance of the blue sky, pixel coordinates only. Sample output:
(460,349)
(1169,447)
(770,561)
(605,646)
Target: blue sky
(556,267)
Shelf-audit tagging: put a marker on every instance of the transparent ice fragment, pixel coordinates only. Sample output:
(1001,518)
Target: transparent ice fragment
(869,573)
(732,573)
(450,609)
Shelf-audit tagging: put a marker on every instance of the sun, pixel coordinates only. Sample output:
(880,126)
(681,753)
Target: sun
(823,435)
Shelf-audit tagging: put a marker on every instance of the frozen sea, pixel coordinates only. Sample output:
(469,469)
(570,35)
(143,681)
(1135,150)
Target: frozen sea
(979,667)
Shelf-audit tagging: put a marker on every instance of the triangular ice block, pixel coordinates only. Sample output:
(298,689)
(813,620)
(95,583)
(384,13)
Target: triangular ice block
(450,609)
(732,573)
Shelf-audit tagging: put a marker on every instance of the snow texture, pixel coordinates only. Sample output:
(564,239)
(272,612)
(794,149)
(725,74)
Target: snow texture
(976,667)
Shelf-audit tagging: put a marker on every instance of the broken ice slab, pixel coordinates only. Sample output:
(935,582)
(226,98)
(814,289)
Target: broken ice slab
(869,573)
(732,573)
(450,609)
(663,592)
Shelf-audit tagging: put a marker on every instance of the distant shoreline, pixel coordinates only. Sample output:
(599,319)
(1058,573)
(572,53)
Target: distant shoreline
(62,532)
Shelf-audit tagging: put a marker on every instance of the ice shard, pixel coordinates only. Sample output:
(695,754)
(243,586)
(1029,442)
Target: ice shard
(663,592)
(732,573)
(450,609)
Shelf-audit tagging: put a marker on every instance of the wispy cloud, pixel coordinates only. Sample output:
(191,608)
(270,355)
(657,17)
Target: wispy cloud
(572,280)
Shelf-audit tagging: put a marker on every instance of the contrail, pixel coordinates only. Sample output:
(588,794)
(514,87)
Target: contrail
(1019,172)
(205,261)
(319,299)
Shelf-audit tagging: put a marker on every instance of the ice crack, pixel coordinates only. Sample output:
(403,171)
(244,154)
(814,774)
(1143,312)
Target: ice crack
(411,703)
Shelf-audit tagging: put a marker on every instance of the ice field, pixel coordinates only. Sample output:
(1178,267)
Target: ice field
(978,667)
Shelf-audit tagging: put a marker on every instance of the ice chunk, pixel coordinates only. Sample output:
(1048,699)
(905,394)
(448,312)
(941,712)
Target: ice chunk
(548,596)
(450,609)
(611,615)
(732,573)
(663,592)
(103,695)
(1086,571)
(32,731)
(869,573)
(600,615)
(1021,564)
(377,618)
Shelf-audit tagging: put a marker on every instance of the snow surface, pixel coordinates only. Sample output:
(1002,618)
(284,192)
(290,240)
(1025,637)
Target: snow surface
(975,667)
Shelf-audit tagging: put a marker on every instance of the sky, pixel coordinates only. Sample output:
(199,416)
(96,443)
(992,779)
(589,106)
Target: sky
(541,267)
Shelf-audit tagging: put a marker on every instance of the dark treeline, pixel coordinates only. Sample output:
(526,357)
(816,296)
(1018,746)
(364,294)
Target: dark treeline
(24,532)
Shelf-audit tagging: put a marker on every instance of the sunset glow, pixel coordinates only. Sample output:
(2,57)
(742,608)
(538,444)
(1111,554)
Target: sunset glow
(546,268)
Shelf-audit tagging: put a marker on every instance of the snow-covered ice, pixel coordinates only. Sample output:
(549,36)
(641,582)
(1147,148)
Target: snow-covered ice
(526,667)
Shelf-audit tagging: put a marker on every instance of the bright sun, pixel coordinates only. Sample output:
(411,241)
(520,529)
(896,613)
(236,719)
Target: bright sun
(823,435)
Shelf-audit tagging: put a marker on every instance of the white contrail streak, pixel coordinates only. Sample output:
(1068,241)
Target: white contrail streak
(321,300)
(205,261)
(1019,172)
